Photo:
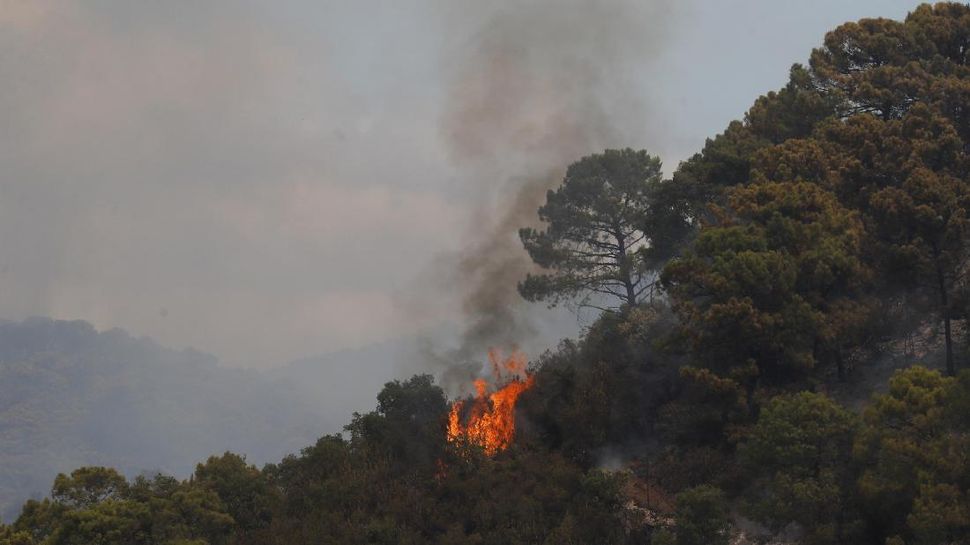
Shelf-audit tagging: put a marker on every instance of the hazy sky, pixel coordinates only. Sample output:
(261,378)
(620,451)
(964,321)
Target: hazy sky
(268,180)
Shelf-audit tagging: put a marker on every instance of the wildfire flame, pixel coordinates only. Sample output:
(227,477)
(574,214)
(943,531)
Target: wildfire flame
(488,419)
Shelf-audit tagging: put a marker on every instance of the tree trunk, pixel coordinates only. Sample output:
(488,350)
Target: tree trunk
(623,260)
(945,308)
(631,296)
(950,365)
(840,364)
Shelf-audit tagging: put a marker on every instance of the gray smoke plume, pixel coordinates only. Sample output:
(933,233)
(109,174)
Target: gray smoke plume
(537,86)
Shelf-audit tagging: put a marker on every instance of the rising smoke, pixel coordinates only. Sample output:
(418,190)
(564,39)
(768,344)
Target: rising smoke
(536,86)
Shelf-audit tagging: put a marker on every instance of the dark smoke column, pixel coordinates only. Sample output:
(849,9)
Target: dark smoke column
(537,86)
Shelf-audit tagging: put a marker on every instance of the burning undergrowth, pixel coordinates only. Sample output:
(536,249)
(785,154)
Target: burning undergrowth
(487,419)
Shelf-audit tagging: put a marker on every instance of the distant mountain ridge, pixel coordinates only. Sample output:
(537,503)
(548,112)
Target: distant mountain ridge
(73,396)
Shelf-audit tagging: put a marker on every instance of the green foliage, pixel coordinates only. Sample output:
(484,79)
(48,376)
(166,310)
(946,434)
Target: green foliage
(604,390)
(88,486)
(916,454)
(407,427)
(773,293)
(899,153)
(701,517)
(245,493)
(799,460)
(900,425)
(883,67)
(663,536)
(941,514)
(98,506)
(726,160)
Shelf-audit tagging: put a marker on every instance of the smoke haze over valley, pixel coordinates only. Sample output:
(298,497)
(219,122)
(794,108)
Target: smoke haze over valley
(269,181)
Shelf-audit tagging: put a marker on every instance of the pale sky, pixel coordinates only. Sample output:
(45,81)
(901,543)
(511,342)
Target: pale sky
(270,180)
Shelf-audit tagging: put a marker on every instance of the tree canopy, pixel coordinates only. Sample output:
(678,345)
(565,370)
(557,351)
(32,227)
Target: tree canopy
(594,245)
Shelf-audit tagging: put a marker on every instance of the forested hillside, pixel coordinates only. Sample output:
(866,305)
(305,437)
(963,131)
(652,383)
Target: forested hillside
(733,388)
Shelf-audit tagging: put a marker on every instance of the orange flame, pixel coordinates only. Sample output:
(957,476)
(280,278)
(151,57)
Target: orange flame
(489,420)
